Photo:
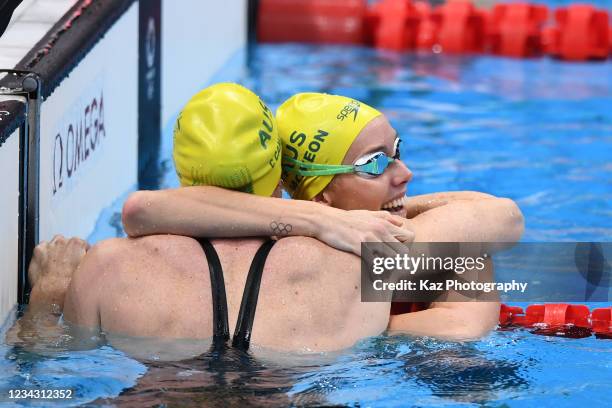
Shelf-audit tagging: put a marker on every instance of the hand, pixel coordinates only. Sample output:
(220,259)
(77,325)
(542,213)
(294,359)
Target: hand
(52,266)
(346,230)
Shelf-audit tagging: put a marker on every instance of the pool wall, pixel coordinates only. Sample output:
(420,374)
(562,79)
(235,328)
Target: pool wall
(107,87)
(9,201)
(88,143)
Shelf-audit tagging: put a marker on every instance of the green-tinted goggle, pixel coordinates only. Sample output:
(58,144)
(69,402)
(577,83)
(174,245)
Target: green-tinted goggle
(370,165)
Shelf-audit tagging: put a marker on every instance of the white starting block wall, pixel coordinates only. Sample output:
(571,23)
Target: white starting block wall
(89,134)
(198,39)
(89,123)
(9,234)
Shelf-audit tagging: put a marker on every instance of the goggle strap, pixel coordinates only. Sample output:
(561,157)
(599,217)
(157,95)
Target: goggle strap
(316,166)
(326,172)
(315,169)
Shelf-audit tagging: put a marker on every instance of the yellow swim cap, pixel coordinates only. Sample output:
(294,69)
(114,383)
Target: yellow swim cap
(318,128)
(226,136)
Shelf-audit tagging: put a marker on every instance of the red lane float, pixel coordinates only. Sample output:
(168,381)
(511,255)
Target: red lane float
(316,21)
(582,33)
(601,321)
(575,321)
(549,35)
(560,320)
(516,29)
(507,313)
(371,21)
(460,27)
(427,34)
(396,24)
(555,314)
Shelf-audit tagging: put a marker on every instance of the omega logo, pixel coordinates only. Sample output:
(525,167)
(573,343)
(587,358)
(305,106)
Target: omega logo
(77,142)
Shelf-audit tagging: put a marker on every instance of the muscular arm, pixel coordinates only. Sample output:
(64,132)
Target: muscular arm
(459,217)
(452,219)
(215,212)
(419,204)
(81,305)
(449,320)
(205,211)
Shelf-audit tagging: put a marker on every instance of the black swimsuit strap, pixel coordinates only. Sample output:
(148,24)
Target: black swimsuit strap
(219,299)
(244,326)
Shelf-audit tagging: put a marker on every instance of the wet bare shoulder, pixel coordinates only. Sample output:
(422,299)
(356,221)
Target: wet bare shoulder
(311,255)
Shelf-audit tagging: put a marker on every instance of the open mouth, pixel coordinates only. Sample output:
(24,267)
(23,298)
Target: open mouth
(395,205)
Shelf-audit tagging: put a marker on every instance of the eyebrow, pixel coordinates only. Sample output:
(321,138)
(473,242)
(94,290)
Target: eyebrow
(381,147)
(377,148)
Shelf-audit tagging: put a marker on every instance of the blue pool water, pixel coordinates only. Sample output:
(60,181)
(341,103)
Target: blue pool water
(537,131)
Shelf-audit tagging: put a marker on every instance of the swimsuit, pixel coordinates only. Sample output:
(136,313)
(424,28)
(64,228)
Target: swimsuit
(219,300)
(244,325)
(248,305)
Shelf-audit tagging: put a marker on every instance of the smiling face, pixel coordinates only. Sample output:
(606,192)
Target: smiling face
(353,192)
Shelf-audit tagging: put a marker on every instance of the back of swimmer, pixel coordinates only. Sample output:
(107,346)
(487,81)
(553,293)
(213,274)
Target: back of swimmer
(302,303)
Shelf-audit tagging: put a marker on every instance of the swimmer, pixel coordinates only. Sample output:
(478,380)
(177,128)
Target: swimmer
(162,286)
(342,140)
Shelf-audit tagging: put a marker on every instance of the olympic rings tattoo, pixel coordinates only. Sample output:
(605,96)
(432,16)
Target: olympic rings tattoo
(279,228)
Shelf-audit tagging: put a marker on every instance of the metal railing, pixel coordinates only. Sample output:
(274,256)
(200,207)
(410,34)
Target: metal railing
(26,85)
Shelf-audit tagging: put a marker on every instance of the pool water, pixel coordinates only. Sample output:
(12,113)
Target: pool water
(537,131)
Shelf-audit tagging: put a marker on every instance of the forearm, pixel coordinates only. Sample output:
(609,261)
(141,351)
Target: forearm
(216,212)
(39,323)
(42,331)
(459,217)
(33,328)
(486,220)
(419,204)
(449,321)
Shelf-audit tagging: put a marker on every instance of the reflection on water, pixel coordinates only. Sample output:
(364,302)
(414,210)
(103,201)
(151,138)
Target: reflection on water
(392,368)
(381,371)
(455,372)
(400,365)
(229,378)
(464,373)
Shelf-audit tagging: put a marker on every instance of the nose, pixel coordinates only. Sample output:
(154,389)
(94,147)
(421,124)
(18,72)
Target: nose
(401,173)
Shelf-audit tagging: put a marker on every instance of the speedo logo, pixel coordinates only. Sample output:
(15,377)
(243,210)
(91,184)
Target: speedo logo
(351,108)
